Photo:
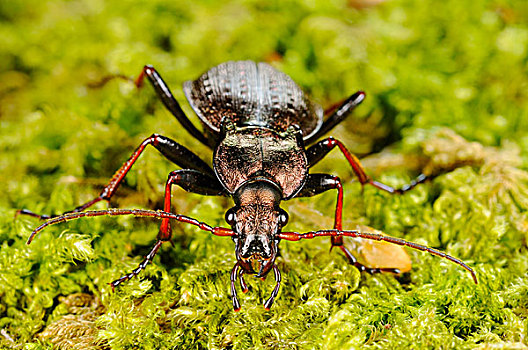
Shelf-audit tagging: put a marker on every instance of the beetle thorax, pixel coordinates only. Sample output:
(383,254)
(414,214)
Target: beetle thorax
(246,153)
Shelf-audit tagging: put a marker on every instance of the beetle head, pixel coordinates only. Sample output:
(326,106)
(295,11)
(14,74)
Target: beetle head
(256,220)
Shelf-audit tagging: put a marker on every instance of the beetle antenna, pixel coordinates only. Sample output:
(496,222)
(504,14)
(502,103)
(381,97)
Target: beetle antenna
(296,236)
(158,214)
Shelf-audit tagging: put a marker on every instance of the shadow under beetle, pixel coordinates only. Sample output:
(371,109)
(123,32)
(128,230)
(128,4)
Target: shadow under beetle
(258,123)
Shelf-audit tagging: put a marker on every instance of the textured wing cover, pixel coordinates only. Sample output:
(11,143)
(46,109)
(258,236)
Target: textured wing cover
(251,94)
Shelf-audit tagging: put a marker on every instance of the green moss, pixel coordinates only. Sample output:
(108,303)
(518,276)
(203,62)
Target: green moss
(446,85)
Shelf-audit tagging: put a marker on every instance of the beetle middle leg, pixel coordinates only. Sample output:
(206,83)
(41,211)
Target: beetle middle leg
(172,150)
(319,150)
(319,183)
(190,180)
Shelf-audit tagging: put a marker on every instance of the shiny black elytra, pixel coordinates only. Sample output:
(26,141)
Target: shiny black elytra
(258,122)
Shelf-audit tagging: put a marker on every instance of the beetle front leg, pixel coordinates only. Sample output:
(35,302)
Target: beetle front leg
(191,181)
(172,150)
(141,266)
(319,183)
(318,151)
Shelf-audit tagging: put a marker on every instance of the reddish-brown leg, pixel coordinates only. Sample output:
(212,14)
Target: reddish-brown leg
(318,183)
(319,150)
(190,180)
(172,150)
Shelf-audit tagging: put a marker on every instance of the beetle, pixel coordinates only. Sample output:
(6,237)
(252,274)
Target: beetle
(258,122)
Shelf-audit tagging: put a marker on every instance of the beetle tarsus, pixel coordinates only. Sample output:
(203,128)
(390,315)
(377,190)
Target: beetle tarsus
(362,268)
(141,267)
(32,214)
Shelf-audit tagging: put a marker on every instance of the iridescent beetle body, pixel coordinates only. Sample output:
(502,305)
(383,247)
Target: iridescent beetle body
(258,123)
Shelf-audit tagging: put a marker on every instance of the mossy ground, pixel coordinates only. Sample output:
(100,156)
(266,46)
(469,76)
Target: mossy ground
(425,65)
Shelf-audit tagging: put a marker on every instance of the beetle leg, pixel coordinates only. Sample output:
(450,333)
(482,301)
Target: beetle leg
(170,102)
(141,266)
(319,183)
(217,231)
(271,299)
(172,150)
(192,181)
(318,151)
(340,112)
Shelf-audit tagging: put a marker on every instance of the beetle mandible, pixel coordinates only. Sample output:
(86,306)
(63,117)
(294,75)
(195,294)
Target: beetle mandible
(258,123)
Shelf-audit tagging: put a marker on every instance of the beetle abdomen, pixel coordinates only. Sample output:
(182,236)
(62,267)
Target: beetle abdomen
(251,94)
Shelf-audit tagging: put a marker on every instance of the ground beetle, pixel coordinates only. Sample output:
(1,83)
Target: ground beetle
(258,122)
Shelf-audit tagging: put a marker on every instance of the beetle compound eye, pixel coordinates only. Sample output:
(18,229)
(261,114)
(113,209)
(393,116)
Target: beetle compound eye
(230,217)
(283,217)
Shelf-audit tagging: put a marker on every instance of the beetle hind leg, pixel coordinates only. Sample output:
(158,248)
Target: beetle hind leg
(164,93)
(170,149)
(338,242)
(140,267)
(338,113)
